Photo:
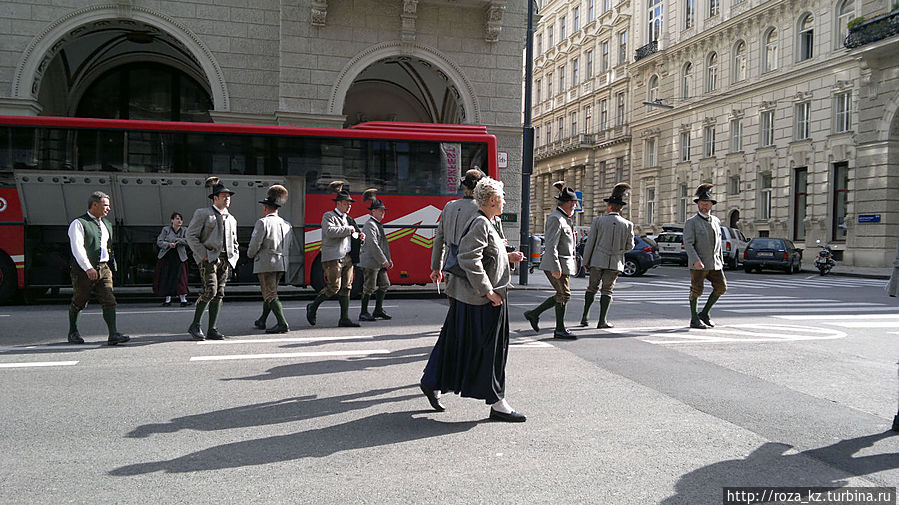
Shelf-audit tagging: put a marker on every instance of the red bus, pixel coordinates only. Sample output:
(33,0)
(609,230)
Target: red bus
(49,166)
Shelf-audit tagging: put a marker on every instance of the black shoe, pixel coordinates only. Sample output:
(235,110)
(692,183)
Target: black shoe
(532,318)
(166,304)
(214,334)
(512,417)
(347,323)
(75,338)
(380,314)
(432,398)
(310,313)
(604,325)
(117,338)
(706,321)
(196,332)
(584,323)
(278,328)
(896,423)
(365,316)
(259,324)
(564,334)
(186,304)
(699,325)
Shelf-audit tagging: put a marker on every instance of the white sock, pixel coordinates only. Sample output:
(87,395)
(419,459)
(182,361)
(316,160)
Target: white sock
(183,298)
(168,299)
(502,406)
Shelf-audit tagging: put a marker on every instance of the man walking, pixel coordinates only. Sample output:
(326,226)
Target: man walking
(610,236)
(453,218)
(212,237)
(270,249)
(558,261)
(702,240)
(337,263)
(375,258)
(90,239)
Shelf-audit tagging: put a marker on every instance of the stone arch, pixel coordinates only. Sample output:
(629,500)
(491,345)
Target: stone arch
(888,126)
(385,50)
(43,47)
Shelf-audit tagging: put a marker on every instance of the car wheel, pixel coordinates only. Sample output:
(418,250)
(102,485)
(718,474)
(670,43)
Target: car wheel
(630,268)
(747,269)
(733,261)
(789,269)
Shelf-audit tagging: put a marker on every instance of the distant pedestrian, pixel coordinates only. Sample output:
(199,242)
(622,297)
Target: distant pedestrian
(470,355)
(374,258)
(453,218)
(270,249)
(170,277)
(702,240)
(610,236)
(90,239)
(558,261)
(893,290)
(212,237)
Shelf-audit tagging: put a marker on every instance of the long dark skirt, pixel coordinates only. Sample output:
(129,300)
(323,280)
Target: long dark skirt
(470,355)
(170,277)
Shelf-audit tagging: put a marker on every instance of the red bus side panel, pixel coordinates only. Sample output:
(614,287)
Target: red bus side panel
(12,230)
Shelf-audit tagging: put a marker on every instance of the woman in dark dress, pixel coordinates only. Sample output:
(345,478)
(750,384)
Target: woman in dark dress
(470,355)
(170,277)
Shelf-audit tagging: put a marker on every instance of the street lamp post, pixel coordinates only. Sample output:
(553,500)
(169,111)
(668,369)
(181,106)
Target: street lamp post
(527,149)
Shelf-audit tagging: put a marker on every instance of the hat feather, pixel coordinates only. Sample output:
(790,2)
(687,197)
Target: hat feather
(211,181)
(620,190)
(560,185)
(336,186)
(369,194)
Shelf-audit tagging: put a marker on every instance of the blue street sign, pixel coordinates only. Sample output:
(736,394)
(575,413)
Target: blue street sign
(869,218)
(580,201)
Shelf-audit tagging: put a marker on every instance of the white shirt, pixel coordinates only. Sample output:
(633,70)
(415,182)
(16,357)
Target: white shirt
(76,240)
(343,216)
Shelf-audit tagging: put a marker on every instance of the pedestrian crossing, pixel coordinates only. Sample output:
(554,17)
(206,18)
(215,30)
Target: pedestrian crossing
(778,283)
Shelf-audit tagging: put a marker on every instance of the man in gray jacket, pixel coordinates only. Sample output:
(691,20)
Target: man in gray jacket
(558,261)
(212,237)
(270,249)
(609,238)
(337,233)
(702,240)
(374,258)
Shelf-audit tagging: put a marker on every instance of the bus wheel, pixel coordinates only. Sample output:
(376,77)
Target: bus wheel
(317,275)
(9,280)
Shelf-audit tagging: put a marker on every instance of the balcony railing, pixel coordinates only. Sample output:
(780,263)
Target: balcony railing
(646,50)
(872,30)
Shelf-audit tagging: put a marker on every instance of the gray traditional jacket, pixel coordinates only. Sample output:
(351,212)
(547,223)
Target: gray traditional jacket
(210,233)
(453,219)
(336,235)
(482,255)
(270,244)
(893,286)
(169,235)
(375,250)
(558,244)
(702,240)
(609,238)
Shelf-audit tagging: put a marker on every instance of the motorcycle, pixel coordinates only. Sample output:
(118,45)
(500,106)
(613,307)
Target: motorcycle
(824,262)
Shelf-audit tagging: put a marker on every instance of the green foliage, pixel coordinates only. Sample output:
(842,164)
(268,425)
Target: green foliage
(855,22)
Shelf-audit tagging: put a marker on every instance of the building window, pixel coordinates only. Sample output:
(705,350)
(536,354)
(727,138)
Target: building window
(714,7)
(589,64)
(800,203)
(603,114)
(590,10)
(740,62)
(577,19)
(539,44)
(765,196)
(802,118)
(574,123)
(766,129)
(619,116)
(549,38)
(537,90)
(653,89)
(685,146)
(689,14)
(650,205)
(770,55)
(845,12)
(619,170)
(686,79)
(549,133)
(575,78)
(649,152)
(655,20)
(562,79)
(683,202)
(708,141)
(562,29)
(711,78)
(806,37)
(604,58)
(604,176)
(537,136)
(842,112)
(549,85)
(606,5)
(622,47)
(736,135)
(840,199)
(733,185)
(588,119)
(561,129)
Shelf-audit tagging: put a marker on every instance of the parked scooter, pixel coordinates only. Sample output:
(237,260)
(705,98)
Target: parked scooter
(824,262)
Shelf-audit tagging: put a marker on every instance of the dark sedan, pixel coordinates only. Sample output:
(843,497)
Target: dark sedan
(637,261)
(774,253)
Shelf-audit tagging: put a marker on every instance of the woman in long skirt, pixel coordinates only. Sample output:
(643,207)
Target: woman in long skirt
(170,277)
(470,355)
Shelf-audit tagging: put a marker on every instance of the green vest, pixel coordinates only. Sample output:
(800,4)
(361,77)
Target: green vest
(92,238)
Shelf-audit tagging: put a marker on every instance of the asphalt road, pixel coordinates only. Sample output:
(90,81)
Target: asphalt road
(796,386)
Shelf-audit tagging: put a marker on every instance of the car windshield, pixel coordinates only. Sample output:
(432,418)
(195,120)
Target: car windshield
(767,243)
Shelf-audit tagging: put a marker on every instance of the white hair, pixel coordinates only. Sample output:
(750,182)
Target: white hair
(486,189)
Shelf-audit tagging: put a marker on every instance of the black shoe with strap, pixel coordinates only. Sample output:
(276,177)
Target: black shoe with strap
(311,313)
(432,398)
(117,338)
(532,318)
(347,323)
(75,338)
(365,316)
(380,314)
(259,324)
(214,334)
(705,320)
(697,324)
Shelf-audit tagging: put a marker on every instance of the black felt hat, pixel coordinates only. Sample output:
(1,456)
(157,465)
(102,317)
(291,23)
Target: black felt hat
(342,191)
(566,194)
(276,197)
(704,193)
(618,193)
(216,186)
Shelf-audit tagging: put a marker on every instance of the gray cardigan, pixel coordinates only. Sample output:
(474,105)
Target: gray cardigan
(336,233)
(702,240)
(270,244)
(453,219)
(169,235)
(375,250)
(609,238)
(558,244)
(205,238)
(482,255)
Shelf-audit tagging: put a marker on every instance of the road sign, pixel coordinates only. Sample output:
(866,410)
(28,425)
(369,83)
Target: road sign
(508,217)
(580,201)
(869,218)
(502,159)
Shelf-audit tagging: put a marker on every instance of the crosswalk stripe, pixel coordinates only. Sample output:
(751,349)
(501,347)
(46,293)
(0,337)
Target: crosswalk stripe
(748,303)
(278,340)
(38,364)
(286,355)
(835,316)
(50,347)
(813,309)
(865,324)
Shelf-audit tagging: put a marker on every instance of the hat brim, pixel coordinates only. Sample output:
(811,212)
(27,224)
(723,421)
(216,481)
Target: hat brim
(697,200)
(222,191)
(270,203)
(614,200)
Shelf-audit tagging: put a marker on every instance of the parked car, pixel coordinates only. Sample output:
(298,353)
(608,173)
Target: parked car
(671,247)
(642,257)
(733,243)
(777,253)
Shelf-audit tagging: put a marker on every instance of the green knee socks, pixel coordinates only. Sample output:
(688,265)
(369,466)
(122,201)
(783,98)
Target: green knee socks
(549,302)
(589,296)
(109,317)
(604,302)
(198,312)
(560,317)
(708,304)
(74,317)
(379,300)
(365,299)
(278,310)
(214,308)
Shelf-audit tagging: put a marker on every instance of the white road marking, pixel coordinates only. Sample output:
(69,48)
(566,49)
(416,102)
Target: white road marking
(287,355)
(831,308)
(528,342)
(5,315)
(739,333)
(867,324)
(836,316)
(38,364)
(49,347)
(749,303)
(276,340)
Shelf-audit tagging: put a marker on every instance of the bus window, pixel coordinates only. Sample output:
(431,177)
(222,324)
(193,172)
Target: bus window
(149,152)
(17,148)
(100,150)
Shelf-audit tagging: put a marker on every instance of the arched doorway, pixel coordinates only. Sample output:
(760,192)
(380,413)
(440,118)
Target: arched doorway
(734,219)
